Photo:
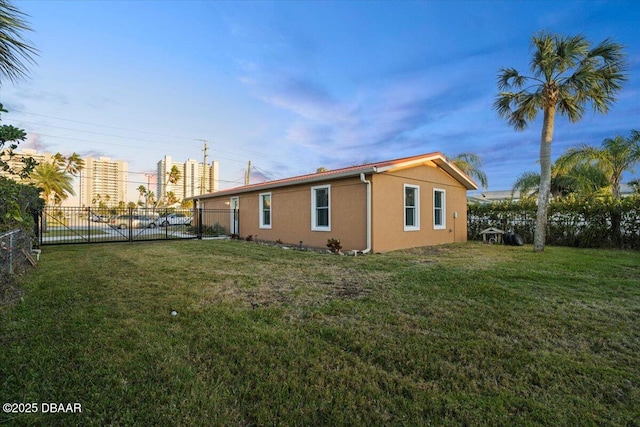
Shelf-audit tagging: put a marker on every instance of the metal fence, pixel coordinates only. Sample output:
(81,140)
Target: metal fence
(72,225)
(15,251)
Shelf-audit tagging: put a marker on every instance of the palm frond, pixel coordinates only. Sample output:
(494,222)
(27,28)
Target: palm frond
(526,184)
(471,164)
(16,53)
(510,78)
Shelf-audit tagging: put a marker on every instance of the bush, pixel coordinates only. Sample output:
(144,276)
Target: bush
(594,223)
(215,230)
(334,245)
(20,204)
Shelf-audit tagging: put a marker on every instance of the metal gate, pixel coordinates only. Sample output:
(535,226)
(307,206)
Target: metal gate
(69,225)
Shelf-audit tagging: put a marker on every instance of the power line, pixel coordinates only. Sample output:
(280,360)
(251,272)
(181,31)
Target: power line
(104,126)
(116,128)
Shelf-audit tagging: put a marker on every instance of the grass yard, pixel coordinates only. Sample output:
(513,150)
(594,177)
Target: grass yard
(455,335)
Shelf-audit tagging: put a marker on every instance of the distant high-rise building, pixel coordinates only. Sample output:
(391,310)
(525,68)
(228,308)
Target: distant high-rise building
(15,163)
(194,179)
(164,185)
(200,179)
(103,180)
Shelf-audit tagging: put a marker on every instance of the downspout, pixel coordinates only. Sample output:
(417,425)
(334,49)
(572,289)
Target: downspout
(365,181)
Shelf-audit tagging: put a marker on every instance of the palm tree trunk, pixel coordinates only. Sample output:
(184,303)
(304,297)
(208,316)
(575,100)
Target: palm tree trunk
(540,233)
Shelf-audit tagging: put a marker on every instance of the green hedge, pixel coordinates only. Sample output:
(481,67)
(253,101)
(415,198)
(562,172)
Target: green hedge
(591,223)
(18,205)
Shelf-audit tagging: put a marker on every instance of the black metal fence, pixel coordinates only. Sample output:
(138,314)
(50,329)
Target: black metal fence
(70,225)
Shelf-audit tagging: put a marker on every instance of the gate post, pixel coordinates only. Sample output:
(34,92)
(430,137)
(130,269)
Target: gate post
(200,228)
(130,224)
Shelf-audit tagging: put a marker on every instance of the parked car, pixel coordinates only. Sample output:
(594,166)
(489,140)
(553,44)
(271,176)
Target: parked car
(174,219)
(99,218)
(133,221)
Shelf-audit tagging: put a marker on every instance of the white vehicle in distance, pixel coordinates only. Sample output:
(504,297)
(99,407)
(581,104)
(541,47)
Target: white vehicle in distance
(174,219)
(133,221)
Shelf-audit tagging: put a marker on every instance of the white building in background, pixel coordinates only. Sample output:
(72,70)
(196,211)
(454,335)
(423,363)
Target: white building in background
(103,180)
(16,164)
(199,179)
(195,178)
(164,186)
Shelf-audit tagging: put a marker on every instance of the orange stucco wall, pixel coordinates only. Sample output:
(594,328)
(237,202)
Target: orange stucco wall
(291,214)
(388,209)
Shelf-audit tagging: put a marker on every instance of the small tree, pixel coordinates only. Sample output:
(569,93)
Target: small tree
(10,137)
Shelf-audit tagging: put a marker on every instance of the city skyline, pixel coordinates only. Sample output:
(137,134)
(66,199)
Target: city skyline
(294,86)
(106,180)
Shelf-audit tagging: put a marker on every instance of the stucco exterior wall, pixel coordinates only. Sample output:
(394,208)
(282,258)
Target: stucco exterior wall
(291,214)
(388,209)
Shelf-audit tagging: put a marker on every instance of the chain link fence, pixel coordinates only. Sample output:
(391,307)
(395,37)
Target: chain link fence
(15,252)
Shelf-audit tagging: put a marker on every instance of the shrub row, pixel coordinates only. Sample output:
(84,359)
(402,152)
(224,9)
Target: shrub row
(591,223)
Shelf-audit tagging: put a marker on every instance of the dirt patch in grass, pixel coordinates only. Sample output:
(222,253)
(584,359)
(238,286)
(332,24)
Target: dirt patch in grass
(293,287)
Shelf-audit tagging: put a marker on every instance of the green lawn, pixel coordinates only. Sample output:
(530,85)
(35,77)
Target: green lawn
(455,335)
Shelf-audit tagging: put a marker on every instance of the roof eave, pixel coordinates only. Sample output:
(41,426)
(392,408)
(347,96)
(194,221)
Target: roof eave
(286,183)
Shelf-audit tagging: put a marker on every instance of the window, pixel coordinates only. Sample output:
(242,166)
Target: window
(265,210)
(321,208)
(411,208)
(439,209)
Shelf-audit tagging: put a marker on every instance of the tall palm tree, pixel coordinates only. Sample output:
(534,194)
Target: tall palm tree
(567,75)
(614,157)
(470,164)
(56,185)
(15,52)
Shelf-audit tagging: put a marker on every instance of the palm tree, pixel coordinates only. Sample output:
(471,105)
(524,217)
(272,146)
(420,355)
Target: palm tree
(151,198)
(55,184)
(15,52)
(171,198)
(614,157)
(72,164)
(568,74)
(174,175)
(142,191)
(470,164)
(586,180)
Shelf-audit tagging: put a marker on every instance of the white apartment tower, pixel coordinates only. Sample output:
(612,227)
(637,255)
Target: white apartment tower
(103,180)
(199,179)
(164,186)
(195,178)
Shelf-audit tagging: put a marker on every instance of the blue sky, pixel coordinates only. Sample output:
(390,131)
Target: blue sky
(293,86)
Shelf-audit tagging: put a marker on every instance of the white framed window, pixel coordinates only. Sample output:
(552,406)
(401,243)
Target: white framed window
(321,208)
(439,209)
(265,210)
(411,207)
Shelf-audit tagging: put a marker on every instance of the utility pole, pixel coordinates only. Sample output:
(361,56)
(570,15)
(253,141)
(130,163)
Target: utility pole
(247,175)
(146,198)
(204,165)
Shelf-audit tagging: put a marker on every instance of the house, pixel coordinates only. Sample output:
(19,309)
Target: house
(394,204)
